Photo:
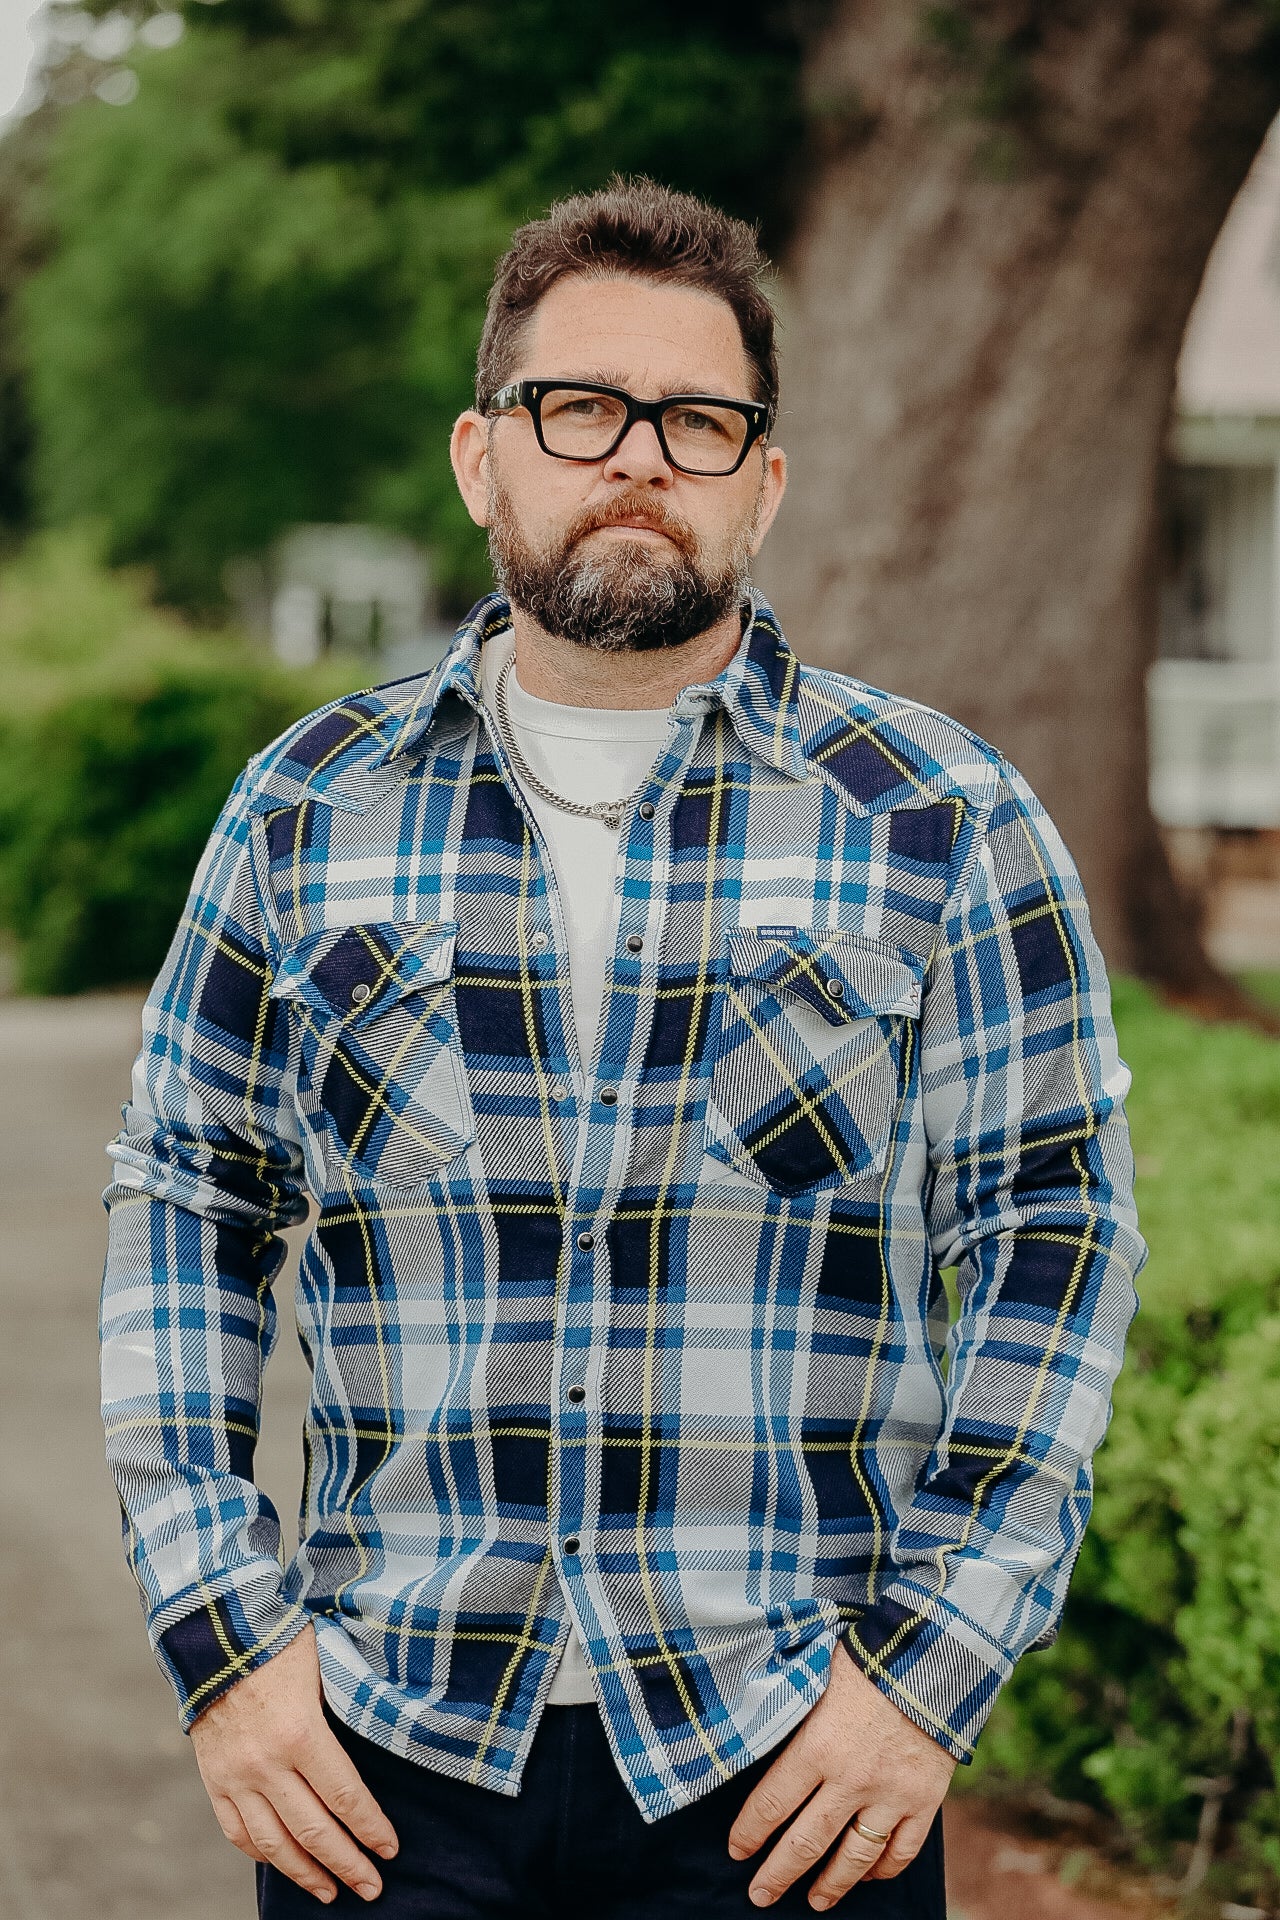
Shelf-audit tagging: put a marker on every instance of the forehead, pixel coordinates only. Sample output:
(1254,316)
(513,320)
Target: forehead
(641,334)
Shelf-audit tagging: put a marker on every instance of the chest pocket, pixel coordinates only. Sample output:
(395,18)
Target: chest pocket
(383,1081)
(805,1085)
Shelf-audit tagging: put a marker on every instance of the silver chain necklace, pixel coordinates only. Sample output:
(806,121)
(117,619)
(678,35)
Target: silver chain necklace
(610,812)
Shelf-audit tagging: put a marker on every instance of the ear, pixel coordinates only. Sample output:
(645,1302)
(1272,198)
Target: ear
(469,452)
(775,485)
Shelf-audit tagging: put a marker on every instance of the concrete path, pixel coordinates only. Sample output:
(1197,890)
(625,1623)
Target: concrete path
(102,1814)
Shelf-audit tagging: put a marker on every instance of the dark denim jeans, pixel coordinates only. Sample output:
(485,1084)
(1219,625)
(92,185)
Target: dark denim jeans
(573,1843)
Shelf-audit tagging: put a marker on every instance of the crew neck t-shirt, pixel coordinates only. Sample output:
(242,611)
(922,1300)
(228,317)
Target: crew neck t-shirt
(586,754)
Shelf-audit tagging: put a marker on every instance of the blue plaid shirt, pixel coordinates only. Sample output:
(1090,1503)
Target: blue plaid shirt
(657,1344)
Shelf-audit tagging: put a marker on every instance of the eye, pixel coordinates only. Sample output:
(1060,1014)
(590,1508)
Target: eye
(588,407)
(695,421)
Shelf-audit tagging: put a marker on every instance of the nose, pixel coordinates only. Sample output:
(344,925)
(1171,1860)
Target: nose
(638,457)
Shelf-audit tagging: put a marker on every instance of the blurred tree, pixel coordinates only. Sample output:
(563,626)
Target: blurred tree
(269,270)
(221,342)
(1010,214)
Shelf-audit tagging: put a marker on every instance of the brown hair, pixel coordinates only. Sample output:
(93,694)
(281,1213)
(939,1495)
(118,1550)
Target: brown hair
(639,228)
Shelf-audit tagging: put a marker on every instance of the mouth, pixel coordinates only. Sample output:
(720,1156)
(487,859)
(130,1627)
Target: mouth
(634,526)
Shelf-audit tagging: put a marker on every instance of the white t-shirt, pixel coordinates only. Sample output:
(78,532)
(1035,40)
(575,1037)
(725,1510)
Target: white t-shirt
(586,754)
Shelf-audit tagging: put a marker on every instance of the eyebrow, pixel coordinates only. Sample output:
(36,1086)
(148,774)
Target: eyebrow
(612,377)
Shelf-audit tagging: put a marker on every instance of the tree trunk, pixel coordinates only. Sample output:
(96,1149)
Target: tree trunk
(1008,217)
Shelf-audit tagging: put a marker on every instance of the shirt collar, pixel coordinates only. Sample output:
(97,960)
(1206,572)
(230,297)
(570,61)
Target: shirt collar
(757,688)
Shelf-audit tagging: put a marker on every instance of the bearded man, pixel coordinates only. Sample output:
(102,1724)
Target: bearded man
(652,1021)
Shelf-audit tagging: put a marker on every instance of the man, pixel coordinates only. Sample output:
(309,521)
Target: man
(651,1020)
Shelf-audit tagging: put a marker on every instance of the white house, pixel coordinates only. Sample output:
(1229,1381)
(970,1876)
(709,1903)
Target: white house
(1215,690)
(349,589)
(354,589)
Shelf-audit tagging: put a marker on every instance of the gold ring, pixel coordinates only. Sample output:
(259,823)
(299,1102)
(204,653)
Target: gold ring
(869,1833)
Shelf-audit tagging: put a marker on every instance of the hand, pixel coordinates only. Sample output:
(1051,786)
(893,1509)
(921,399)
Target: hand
(277,1777)
(859,1758)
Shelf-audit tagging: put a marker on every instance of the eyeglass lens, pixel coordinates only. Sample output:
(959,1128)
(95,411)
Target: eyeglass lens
(583,426)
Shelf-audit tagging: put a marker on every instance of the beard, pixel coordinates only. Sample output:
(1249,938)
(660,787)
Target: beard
(617,596)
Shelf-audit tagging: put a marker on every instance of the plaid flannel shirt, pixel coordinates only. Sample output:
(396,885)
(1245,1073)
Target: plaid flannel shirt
(658,1343)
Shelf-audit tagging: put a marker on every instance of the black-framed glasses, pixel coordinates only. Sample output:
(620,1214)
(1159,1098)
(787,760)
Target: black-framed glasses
(579,420)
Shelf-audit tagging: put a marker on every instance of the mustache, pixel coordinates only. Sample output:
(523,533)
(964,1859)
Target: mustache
(632,507)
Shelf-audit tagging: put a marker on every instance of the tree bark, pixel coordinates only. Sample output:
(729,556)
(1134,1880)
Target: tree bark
(1008,216)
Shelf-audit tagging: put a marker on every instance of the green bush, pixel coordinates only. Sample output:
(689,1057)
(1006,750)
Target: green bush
(1172,1632)
(122,733)
(68,625)
(104,808)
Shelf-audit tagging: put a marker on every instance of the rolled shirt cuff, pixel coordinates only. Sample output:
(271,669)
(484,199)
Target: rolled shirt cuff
(937,1666)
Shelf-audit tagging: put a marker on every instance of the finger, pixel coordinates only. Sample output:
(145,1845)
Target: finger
(329,1768)
(908,1838)
(233,1827)
(853,1860)
(787,1785)
(857,1858)
(320,1835)
(809,1836)
(277,1848)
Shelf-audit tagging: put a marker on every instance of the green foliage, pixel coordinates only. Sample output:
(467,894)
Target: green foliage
(122,735)
(1264,986)
(21,163)
(993,65)
(1173,1625)
(531,97)
(990,82)
(104,808)
(267,274)
(68,625)
(216,345)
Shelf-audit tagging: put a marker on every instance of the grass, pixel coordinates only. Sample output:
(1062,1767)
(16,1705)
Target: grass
(1264,986)
(1205,1116)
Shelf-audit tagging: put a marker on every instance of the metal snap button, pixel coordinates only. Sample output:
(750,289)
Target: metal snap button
(608,1096)
(647,809)
(572,1544)
(836,989)
(577,1395)
(539,939)
(586,1241)
(634,943)
(558,1090)
(360,993)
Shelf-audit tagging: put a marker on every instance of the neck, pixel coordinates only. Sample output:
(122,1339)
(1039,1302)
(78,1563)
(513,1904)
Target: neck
(577,676)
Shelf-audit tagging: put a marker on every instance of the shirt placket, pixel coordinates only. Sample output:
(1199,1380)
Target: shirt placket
(604,1091)
(599,1176)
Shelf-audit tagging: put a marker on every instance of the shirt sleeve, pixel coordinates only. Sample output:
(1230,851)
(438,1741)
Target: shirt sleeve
(206,1170)
(1030,1199)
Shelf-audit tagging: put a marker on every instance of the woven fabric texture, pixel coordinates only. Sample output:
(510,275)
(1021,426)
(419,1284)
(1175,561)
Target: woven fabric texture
(658,1341)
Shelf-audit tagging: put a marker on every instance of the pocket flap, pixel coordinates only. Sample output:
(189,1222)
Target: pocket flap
(844,975)
(356,973)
